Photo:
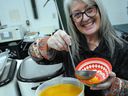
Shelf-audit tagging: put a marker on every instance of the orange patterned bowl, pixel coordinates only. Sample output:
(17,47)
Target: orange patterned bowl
(102,67)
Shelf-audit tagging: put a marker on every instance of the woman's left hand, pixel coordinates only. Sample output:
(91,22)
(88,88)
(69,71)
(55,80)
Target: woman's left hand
(106,84)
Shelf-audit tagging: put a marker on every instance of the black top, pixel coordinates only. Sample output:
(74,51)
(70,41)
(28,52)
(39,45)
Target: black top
(118,61)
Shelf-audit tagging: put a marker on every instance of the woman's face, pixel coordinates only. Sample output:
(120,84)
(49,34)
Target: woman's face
(86,18)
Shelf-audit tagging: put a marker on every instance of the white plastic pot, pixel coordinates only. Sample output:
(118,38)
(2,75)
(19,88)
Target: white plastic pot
(8,83)
(30,75)
(61,80)
(3,60)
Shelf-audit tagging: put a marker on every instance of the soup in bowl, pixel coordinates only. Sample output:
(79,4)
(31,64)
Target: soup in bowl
(62,86)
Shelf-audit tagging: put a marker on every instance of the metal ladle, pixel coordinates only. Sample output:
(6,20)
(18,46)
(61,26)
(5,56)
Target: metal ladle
(81,74)
(86,74)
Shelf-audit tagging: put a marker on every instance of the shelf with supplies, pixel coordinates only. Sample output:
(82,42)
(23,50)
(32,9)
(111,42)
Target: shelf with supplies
(17,49)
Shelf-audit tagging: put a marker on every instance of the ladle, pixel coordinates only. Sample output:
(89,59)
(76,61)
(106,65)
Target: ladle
(81,74)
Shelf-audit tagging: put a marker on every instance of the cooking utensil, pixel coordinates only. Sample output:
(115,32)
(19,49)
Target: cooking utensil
(81,74)
(85,74)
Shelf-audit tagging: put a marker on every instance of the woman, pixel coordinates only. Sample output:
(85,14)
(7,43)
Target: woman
(90,34)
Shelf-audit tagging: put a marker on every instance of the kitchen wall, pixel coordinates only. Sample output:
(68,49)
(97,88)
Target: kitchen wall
(117,11)
(12,12)
(16,12)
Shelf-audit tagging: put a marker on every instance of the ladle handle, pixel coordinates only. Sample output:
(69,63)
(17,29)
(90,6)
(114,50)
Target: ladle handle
(72,61)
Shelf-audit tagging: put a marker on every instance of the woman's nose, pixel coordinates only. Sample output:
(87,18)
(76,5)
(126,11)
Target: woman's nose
(85,17)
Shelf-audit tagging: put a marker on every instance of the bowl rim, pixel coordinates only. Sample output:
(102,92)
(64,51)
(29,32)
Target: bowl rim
(59,79)
(94,58)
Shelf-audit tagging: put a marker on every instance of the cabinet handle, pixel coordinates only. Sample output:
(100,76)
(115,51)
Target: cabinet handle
(34,8)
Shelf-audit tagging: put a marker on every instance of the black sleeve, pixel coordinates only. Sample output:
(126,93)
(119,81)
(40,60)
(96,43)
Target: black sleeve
(122,63)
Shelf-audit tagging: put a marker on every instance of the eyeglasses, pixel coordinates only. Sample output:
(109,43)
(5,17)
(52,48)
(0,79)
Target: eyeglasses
(89,12)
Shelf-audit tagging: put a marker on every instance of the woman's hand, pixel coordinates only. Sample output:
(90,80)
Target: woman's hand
(60,40)
(106,84)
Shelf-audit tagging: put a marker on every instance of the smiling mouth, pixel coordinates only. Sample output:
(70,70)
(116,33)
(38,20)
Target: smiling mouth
(87,23)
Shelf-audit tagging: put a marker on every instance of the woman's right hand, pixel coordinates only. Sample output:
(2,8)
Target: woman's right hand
(60,40)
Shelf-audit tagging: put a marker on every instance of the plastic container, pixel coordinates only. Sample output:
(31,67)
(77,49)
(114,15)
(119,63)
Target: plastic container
(30,75)
(8,83)
(61,80)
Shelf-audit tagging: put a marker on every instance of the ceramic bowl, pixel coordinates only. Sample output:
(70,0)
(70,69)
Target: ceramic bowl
(102,67)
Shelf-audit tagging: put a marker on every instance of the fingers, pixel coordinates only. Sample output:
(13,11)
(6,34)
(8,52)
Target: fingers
(59,41)
(106,84)
(62,40)
(66,38)
(112,74)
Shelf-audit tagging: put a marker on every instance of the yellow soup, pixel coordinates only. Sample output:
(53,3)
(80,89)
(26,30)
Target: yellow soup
(61,90)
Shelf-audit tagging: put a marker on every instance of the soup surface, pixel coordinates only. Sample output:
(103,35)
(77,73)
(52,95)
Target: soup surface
(61,90)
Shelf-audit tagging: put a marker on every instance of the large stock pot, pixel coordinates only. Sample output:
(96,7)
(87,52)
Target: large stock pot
(30,75)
